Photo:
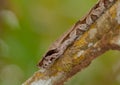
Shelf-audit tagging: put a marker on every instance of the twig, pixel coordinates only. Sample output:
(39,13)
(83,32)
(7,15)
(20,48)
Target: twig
(103,35)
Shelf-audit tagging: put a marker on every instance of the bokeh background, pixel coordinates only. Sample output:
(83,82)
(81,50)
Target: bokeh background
(28,27)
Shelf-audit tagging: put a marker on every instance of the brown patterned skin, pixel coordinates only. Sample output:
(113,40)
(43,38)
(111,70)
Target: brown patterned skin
(58,48)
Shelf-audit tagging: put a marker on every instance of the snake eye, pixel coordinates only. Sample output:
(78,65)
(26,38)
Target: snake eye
(50,52)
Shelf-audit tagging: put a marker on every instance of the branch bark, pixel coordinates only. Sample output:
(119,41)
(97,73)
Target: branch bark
(102,36)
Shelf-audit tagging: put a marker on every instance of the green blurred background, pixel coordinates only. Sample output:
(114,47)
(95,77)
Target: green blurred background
(28,27)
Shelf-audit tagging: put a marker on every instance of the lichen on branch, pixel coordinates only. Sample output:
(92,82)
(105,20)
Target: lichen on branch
(103,35)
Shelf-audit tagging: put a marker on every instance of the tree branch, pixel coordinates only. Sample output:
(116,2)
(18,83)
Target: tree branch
(103,35)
